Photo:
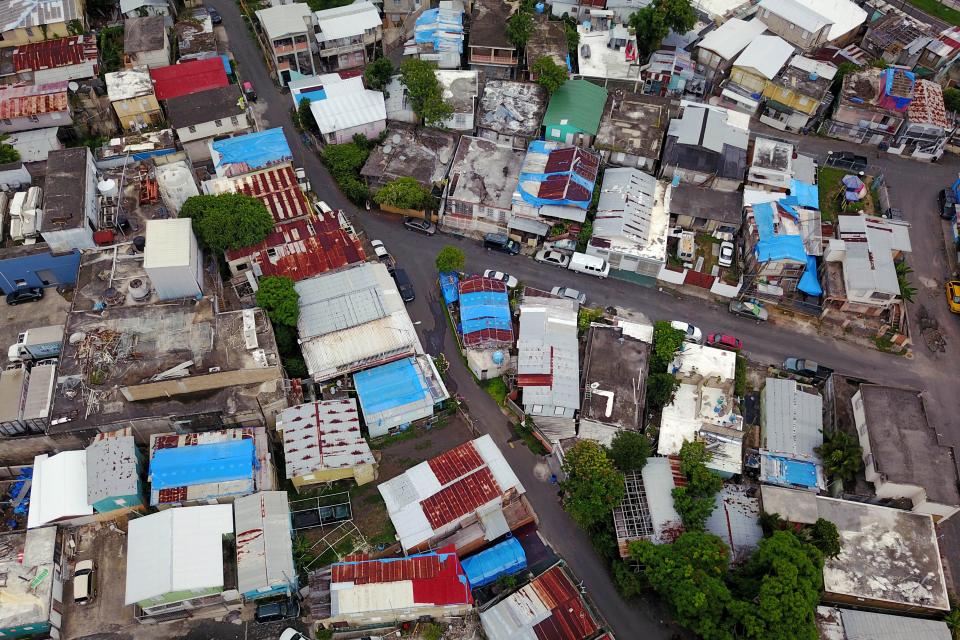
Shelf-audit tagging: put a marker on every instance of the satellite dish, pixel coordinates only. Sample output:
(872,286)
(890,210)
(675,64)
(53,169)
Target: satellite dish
(73,86)
(594,385)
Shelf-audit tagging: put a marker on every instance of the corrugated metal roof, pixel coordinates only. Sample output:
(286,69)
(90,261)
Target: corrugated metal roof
(460,498)
(340,300)
(323,435)
(16,14)
(21,101)
(112,467)
(765,54)
(264,541)
(455,463)
(866,625)
(51,54)
(732,37)
(398,393)
(792,419)
(284,20)
(278,189)
(344,22)
(189,77)
(348,104)
(548,346)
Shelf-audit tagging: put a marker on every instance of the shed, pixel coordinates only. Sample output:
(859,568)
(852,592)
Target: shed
(171,259)
(398,393)
(574,109)
(264,545)
(504,559)
(59,488)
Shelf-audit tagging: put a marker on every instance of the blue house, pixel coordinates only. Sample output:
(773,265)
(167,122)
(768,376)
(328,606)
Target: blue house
(264,545)
(34,265)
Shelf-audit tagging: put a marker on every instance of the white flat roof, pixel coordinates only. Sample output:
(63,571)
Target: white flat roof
(168,243)
(732,37)
(697,359)
(348,104)
(765,54)
(59,488)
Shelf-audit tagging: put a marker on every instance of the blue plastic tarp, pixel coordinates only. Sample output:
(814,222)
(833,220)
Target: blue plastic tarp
(443,28)
(809,282)
(804,194)
(389,386)
(542,147)
(202,464)
(487,566)
(771,246)
(226,64)
(242,154)
(797,473)
(450,286)
(485,310)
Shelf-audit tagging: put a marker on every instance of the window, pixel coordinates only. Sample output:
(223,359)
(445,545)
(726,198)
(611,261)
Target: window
(234,121)
(218,123)
(555,133)
(537,408)
(192,129)
(558,411)
(19,282)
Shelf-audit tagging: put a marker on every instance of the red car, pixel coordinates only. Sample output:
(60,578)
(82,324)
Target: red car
(724,342)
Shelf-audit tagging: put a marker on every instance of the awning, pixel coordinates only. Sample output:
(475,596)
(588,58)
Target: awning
(528,225)
(494,522)
(777,106)
(740,99)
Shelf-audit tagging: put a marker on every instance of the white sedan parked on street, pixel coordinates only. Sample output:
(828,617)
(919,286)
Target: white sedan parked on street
(690,332)
(505,278)
(548,256)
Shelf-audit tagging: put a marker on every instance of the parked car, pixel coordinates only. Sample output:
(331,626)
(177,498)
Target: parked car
(847,160)
(953,295)
(292,634)
(404,285)
(418,224)
(24,294)
(322,208)
(723,341)
(500,242)
(302,179)
(380,250)
(726,254)
(249,93)
(690,332)
(548,256)
(570,294)
(215,16)
(275,610)
(83,587)
(505,278)
(806,367)
(749,309)
(947,204)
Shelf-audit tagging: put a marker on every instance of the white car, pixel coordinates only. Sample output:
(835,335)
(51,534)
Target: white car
(690,332)
(548,256)
(302,179)
(570,294)
(292,634)
(505,278)
(726,254)
(83,587)
(380,250)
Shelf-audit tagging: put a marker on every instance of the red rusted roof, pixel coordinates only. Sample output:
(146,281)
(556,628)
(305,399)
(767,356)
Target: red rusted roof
(304,248)
(51,54)
(21,101)
(474,284)
(569,618)
(278,189)
(455,463)
(460,498)
(927,106)
(183,79)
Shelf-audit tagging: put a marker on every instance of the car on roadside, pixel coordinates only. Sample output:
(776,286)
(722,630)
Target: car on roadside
(505,278)
(549,256)
(404,285)
(570,294)
(501,242)
(749,309)
(292,634)
(727,252)
(24,294)
(847,160)
(723,341)
(302,179)
(947,204)
(420,225)
(83,585)
(215,16)
(249,93)
(690,332)
(805,367)
(380,250)
(953,295)
(276,610)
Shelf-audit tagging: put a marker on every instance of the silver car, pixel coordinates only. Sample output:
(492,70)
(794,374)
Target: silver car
(749,309)
(569,294)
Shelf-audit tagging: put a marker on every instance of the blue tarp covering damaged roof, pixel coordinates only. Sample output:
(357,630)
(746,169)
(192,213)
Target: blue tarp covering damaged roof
(481,310)
(389,386)
(202,464)
(803,194)
(243,154)
(771,246)
(487,566)
(443,28)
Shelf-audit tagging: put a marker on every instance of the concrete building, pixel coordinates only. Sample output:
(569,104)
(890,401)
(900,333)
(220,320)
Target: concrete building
(438,34)
(705,210)
(574,112)
(509,113)
(490,50)
(322,443)
(630,230)
(288,29)
(175,564)
(145,43)
(134,8)
(466,497)
(199,118)
(646,511)
(721,46)
(460,89)
(415,152)
(478,196)
(264,545)
(28,107)
(195,37)
(851,624)
(35,145)
(62,59)
(29,606)
(903,457)
(810,25)
(924,136)
(707,147)
(549,39)
(71,205)
(872,106)
(607,50)
(27,21)
(771,165)
(631,132)
(348,35)
(349,109)
(131,95)
(393,396)
(798,94)
(791,420)
(889,559)
(548,363)
(35,265)
(115,472)
(486,326)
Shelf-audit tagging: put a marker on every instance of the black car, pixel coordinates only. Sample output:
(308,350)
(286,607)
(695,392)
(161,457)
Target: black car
(847,160)
(277,610)
(405,285)
(24,294)
(500,242)
(805,367)
(418,224)
(947,204)
(214,15)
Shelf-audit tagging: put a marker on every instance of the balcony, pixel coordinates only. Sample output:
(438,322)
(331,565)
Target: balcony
(480,58)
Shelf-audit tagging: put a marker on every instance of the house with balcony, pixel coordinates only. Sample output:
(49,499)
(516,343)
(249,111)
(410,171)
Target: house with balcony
(753,69)
(478,196)
(490,50)
(288,29)
(798,94)
(347,36)
(872,106)
(928,127)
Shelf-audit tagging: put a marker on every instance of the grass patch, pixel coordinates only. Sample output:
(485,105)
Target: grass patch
(831,194)
(937,10)
(525,433)
(497,389)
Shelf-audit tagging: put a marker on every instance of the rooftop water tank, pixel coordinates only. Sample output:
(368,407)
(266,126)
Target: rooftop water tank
(108,188)
(498,357)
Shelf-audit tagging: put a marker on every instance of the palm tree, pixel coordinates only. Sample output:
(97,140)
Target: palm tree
(953,622)
(907,291)
(841,456)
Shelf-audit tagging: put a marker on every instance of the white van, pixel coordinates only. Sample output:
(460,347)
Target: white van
(591,265)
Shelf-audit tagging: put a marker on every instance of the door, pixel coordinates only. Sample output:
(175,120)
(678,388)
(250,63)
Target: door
(47,277)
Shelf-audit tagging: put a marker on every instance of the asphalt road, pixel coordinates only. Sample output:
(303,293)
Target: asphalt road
(913,188)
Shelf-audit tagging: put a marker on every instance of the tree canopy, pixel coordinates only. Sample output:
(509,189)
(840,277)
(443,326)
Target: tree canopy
(696,501)
(666,342)
(550,75)
(593,487)
(305,116)
(951,99)
(345,161)
(841,455)
(660,389)
(426,94)
(7,152)
(404,193)
(377,74)
(450,259)
(279,299)
(629,450)
(655,21)
(520,27)
(228,221)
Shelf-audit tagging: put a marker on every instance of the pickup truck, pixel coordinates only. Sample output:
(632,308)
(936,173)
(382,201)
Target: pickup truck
(37,344)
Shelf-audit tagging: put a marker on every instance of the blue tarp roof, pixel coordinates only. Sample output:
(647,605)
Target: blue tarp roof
(443,28)
(252,151)
(485,310)
(450,286)
(542,147)
(202,464)
(771,246)
(503,559)
(809,281)
(389,386)
(226,64)
(798,473)
(804,194)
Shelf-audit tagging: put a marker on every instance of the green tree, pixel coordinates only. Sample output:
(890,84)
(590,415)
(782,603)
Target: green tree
(841,455)
(629,450)
(907,291)
(305,116)
(295,367)
(403,193)
(660,389)
(653,22)
(666,342)
(520,28)
(952,620)
(279,299)
(825,537)
(550,75)
(426,94)
(627,581)
(378,73)
(843,69)
(696,501)
(572,36)
(348,157)
(228,221)
(451,258)
(593,487)
(587,316)
(951,99)
(584,235)
(7,152)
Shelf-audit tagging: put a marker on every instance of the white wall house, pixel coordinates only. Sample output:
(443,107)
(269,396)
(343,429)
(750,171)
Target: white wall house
(200,117)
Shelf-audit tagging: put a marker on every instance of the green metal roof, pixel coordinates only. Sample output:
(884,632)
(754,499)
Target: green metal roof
(579,102)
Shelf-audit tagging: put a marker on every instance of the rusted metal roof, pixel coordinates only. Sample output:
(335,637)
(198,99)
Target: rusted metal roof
(183,79)
(51,54)
(455,463)
(278,189)
(460,498)
(569,618)
(21,101)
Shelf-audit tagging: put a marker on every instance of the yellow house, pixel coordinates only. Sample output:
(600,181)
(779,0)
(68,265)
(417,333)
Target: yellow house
(133,100)
(795,95)
(26,21)
(322,442)
(760,63)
